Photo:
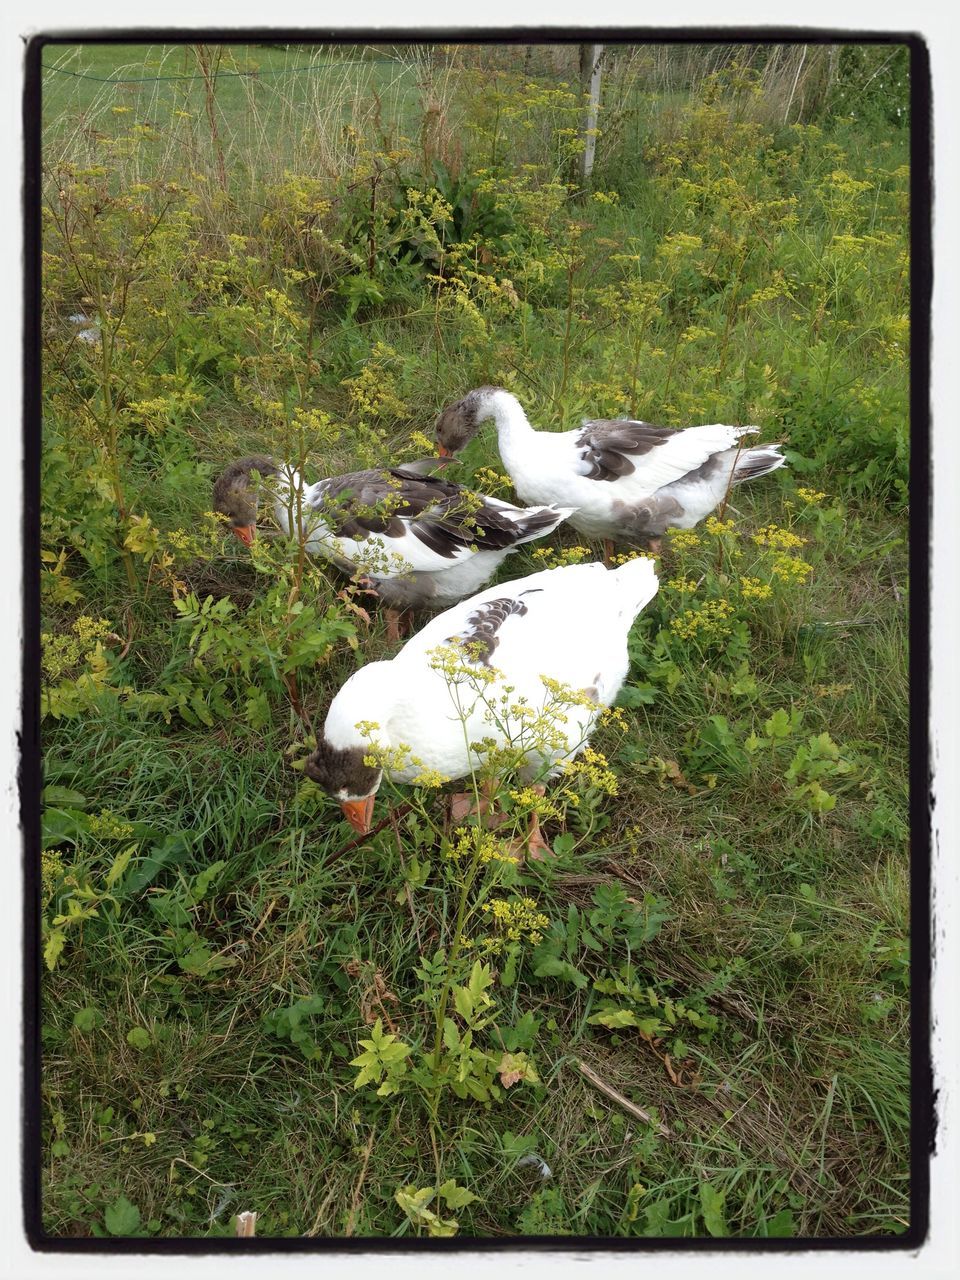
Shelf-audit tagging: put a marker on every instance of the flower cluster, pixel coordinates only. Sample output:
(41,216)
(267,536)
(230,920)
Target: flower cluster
(683,539)
(564,555)
(475,842)
(51,870)
(718,527)
(530,800)
(754,589)
(107,826)
(516,919)
(633,555)
(791,569)
(591,768)
(811,496)
(707,624)
(771,535)
(685,586)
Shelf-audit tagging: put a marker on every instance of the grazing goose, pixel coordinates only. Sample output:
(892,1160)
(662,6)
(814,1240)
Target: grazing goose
(422,541)
(569,624)
(629,481)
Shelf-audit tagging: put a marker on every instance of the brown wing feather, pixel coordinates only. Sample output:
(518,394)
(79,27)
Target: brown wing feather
(607,447)
(441,514)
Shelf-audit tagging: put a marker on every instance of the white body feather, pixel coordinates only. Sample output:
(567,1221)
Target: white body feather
(574,630)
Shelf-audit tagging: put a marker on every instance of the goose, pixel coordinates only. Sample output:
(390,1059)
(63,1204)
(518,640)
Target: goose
(567,624)
(421,541)
(629,481)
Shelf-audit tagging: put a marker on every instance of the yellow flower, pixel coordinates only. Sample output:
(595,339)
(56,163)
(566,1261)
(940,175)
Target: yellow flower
(791,568)
(716,527)
(754,589)
(470,842)
(770,535)
(810,495)
(682,539)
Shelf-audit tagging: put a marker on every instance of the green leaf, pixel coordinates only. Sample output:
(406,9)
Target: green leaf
(87,1019)
(712,1206)
(456,1197)
(119,865)
(451,1036)
(203,881)
(636,695)
(52,948)
(53,795)
(614,1018)
(62,826)
(122,1218)
(554,967)
(781,1225)
(139,1038)
(171,852)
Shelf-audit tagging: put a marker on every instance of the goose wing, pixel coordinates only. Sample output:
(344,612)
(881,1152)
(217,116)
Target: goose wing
(430,522)
(650,456)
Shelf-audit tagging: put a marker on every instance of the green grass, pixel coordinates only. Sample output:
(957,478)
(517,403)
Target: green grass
(787,926)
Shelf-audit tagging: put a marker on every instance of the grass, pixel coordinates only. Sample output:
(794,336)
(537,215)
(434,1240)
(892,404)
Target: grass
(183,1078)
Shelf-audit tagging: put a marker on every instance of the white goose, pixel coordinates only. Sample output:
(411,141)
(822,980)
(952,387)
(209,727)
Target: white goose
(629,481)
(569,624)
(421,540)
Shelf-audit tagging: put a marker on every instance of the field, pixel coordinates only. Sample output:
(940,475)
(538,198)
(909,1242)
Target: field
(692,1020)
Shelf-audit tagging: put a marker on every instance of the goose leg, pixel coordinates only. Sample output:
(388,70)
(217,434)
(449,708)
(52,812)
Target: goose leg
(463,804)
(608,552)
(537,847)
(393,617)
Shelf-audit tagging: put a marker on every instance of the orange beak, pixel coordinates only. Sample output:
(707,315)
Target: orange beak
(359,814)
(443,451)
(246,533)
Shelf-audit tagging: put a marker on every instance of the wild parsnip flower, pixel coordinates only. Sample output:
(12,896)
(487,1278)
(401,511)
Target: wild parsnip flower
(105,825)
(543,554)
(592,768)
(613,715)
(707,624)
(717,527)
(51,870)
(791,569)
(517,919)
(685,586)
(811,496)
(633,555)
(531,801)
(566,695)
(470,842)
(754,589)
(683,539)
(771,535)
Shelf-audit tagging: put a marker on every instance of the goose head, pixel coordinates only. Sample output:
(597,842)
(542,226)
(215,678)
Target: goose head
(458,423)
(341,773)
(236,494)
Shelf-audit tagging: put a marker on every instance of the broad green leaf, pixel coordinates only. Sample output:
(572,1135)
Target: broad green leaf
(712,1206)
(87,1019)
(53,947)
(454,1196)
(122,1218)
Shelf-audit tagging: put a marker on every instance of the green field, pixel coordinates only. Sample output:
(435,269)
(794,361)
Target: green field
(311,261)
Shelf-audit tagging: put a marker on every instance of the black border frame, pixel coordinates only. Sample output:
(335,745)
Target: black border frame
(923,1115)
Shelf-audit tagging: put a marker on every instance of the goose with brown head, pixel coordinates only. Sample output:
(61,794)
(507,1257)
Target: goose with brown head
(341,773)
(236,494)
